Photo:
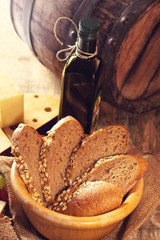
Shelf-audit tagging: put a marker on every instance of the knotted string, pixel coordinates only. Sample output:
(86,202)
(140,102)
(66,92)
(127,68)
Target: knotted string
(71,48)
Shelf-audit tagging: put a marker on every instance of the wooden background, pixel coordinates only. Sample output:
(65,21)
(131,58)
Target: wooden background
(18,62)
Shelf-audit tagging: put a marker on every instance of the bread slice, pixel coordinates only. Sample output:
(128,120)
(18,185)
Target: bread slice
(93,198)
(26,144)
(122,170)
(55,153)
(111,140)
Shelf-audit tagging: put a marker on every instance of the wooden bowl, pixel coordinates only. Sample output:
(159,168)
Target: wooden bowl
(57,226)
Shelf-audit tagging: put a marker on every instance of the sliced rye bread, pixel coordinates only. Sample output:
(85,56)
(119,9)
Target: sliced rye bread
(26,144)
(93,198)
(55,153)
(123,171)
(111,140)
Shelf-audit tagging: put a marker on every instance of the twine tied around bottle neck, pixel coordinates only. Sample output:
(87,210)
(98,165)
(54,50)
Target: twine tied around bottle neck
(70,49)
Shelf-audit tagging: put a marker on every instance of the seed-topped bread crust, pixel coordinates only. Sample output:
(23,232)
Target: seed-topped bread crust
(55,153)
(26,143)
(92,198)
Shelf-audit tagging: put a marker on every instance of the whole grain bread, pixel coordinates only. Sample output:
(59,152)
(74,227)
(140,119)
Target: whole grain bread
(56,151)
(108,141)
(42,161)
(121,170)
(93,198)
(73,174)
(26,144)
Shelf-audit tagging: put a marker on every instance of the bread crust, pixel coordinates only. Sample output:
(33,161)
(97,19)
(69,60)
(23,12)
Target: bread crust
(58,145)
(93,198)
(26,143)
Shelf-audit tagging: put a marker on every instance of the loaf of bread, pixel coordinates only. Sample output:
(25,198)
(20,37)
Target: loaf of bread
(93,198)
(109,141)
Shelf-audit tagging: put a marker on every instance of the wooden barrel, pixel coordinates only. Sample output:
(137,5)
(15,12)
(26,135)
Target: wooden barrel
(128,43)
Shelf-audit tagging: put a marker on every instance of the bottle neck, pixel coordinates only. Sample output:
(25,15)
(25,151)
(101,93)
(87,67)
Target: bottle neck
(85,45)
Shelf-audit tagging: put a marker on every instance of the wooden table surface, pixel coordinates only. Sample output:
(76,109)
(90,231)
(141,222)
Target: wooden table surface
(18,62)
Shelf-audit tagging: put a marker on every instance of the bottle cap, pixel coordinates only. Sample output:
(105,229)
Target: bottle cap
(88,28)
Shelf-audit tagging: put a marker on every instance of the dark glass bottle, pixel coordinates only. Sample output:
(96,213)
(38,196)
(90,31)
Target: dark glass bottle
(81,84)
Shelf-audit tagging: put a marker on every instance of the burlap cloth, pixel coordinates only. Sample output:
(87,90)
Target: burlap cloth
(142,224)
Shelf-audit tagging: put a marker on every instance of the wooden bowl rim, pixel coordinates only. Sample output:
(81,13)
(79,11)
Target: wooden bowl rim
(129,204)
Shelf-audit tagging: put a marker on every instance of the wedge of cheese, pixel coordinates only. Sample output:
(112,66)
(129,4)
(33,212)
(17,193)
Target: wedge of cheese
(11,103)
(2,206)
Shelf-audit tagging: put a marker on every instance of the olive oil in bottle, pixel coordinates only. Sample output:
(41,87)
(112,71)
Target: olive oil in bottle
(81,84)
